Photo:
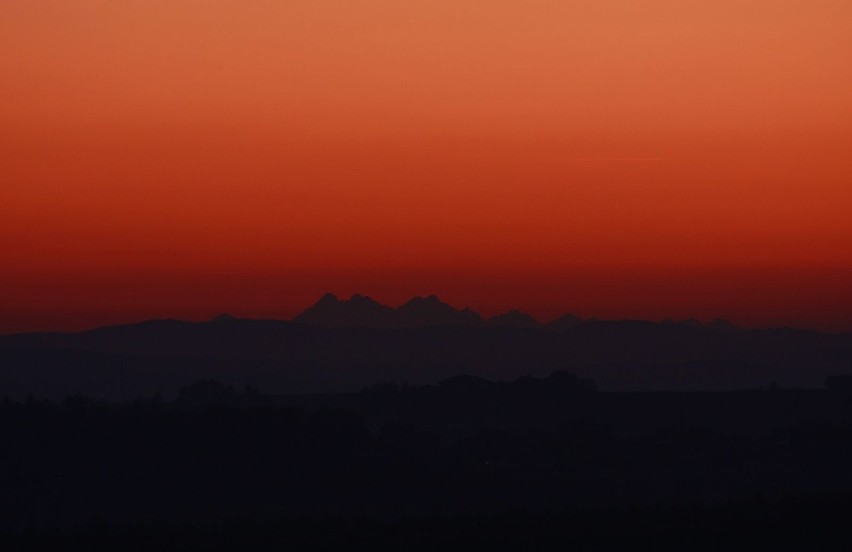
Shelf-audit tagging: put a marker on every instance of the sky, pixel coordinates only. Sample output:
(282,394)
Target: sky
(618,159)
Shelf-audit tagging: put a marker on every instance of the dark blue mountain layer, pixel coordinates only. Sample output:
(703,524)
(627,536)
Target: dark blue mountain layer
(432,344)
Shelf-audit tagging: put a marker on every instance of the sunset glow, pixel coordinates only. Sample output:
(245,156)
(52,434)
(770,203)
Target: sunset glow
(614,159)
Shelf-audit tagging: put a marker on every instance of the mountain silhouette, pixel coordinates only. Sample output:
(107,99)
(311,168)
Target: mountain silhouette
(431,311)
(363,312)
(720,324)
(358,311)
(513,319)
(567,321)
(342,345)
(159,356)
(224,318)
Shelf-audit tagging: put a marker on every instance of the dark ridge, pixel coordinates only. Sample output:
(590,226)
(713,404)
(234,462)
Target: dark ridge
(224,317)
(288,357)
(514,319)
(720,324)
(431,311)
(567,321)
(363,312)
(467,446)
(358,311)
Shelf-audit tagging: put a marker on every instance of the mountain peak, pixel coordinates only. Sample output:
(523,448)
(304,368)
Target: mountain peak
(431,311)
(357,311)
(364,311)
(328,298)
(359,299)
(429,300)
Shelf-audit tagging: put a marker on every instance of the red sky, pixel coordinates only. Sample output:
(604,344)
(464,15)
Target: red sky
(616,159)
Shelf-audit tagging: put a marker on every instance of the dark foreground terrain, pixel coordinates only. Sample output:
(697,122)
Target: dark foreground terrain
(546,463)
(754,525)
(296,357)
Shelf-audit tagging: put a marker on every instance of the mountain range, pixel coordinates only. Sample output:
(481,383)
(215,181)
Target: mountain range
(361,311)
(342,345)
(364,312)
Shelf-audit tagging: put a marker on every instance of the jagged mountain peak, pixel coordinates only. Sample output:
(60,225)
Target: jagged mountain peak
(363,311)
(328,298)
(363,300)
(429,300)
(357,311)
(431,311)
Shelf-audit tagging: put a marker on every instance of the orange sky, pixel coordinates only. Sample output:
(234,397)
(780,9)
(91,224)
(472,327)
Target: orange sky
(617,159)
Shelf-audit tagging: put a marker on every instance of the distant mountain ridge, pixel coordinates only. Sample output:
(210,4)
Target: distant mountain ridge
(361,311)
(514,319)
(422,341)
(358,311)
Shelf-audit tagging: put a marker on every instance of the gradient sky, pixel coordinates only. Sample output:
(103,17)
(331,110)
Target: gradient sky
(644,159)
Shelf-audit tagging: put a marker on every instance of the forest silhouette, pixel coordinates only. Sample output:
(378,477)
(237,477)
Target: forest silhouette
(466,460)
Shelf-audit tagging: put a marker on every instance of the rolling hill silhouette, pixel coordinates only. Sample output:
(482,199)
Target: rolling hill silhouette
(342,345)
